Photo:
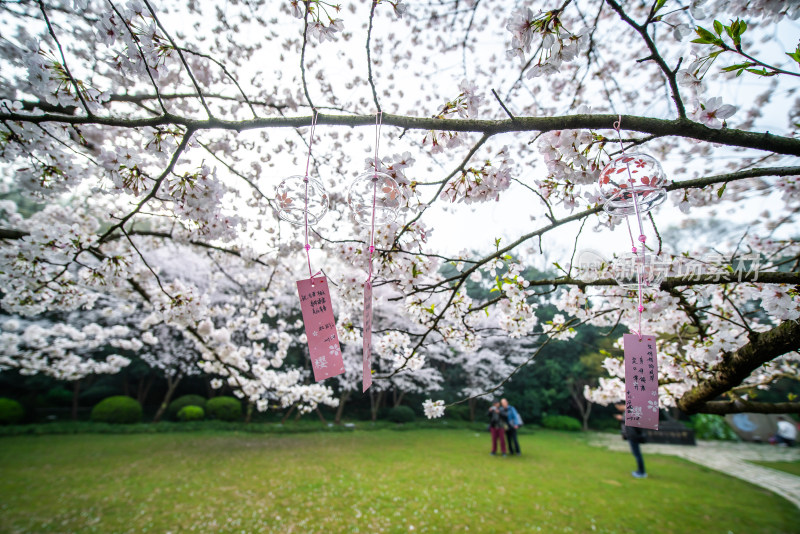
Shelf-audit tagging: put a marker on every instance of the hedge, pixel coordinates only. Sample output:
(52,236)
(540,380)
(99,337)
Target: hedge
(185,400)
(191,413)
(224,409)
(401,414)
(11,412)
(118,410)
(562,422)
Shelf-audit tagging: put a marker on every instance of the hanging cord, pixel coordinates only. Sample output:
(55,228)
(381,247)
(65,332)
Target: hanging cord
(642,238)
(305,211)
(378,124)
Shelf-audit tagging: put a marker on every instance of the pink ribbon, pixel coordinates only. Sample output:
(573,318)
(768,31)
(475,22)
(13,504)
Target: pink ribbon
(305,214)
(642,237)
(378,124)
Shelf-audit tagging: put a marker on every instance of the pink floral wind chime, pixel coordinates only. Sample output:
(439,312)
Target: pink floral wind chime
(633,184)
(303,201)
(374,199)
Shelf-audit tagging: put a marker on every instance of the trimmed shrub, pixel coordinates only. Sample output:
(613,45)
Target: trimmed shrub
(191,413)
(561,422)
(119,409)
(186,400)
(401,414)
(224,408)
(11,412)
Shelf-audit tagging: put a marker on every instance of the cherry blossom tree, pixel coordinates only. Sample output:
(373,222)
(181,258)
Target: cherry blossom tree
(141,127)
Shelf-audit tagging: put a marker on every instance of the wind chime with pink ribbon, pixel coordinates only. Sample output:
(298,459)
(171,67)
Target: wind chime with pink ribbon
(374,199)
(303,201)
(633,184)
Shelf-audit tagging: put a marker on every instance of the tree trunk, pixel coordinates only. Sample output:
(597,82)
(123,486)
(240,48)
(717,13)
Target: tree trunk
(375,404)
(340,409)
(398,399)
(172,384)
(586,415)
(76,390)
(287,414)
(249,414)
(143,390)
(321,417)
(583,404)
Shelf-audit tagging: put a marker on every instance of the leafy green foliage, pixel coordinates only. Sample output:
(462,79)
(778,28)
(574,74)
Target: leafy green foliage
(561,422)
(11,411)
(185,400)
(401,414)
(733,32)
(191,413)
(224,409)
(709,426)
(118,410)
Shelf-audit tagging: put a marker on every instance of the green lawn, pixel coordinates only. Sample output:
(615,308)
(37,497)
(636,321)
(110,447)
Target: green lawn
(431,480)
(792,468)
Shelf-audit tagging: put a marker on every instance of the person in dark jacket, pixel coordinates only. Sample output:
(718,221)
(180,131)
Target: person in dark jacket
(635,437)
(514,421)
(498,420)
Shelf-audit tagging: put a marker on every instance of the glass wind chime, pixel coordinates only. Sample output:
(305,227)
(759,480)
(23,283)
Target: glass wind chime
(632,185)
(374,199)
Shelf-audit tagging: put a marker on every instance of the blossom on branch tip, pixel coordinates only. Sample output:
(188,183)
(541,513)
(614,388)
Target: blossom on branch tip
(713,112)
(433,409)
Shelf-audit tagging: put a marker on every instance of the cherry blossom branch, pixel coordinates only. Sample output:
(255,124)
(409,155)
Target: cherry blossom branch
(228,74)
(135,39)
(153,191)
(180,55)
(63,58)
(369,56)
(684,128)
(303,61)
(641,29)
(461,167)
(511,375)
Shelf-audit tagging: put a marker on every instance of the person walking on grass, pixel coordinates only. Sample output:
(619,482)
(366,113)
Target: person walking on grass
(635,437)
(514,422)
(497,423)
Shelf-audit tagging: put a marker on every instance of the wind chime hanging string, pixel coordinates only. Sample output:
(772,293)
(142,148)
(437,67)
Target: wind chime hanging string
(305,214)
(378,124)
(640,260)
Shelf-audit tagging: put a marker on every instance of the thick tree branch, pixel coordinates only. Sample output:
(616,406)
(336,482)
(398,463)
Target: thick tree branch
(661,127)
(735,368)
(740,406)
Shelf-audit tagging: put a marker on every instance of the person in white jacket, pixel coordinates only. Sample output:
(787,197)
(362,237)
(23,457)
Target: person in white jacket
(787,432)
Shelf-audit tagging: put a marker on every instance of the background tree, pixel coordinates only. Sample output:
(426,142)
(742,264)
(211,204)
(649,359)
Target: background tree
(137,131)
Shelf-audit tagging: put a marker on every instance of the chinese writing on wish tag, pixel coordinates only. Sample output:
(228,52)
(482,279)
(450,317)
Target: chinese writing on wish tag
(320,325)
(641,381)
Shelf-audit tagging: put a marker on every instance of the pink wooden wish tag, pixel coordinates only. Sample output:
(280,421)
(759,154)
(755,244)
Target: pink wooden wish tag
(366,378)
(641,381)
(323,344)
